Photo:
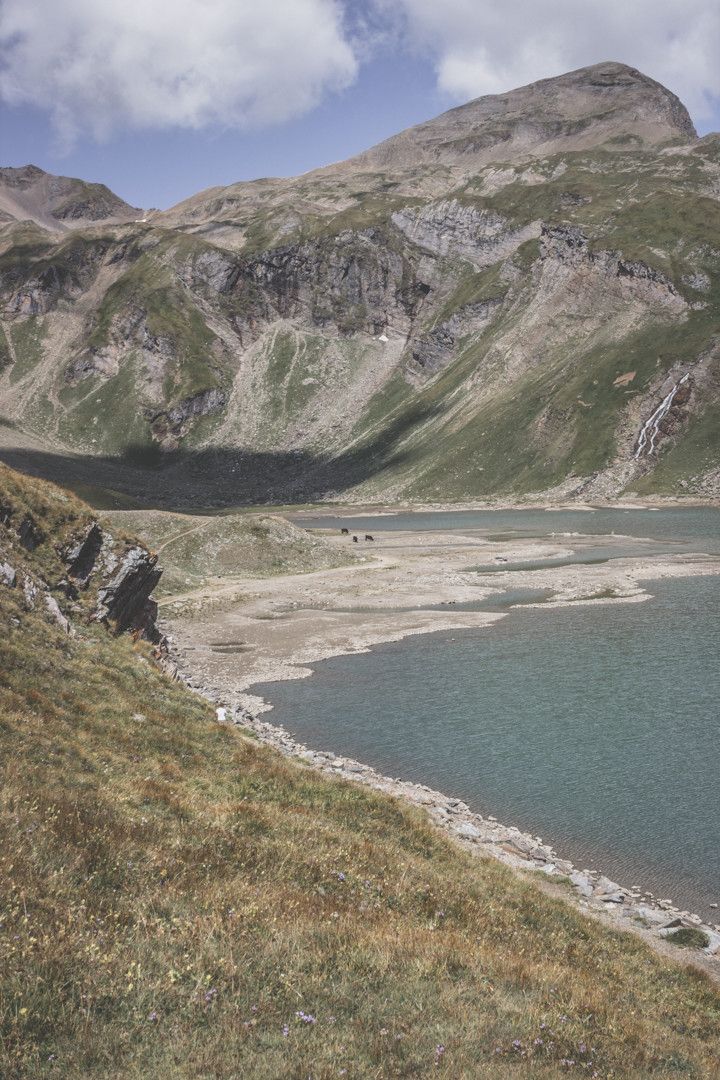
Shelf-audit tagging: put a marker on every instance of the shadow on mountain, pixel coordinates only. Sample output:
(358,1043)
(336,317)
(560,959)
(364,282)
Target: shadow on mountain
(221,476)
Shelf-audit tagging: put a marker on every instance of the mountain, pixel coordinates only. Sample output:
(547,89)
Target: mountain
(58,202)
(519,297)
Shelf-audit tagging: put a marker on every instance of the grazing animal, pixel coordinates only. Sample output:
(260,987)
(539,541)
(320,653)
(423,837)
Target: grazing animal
(344,532)
(355,539)
(369,537)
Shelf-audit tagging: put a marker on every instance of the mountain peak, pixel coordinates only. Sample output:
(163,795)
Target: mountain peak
(28,193)
(608,104)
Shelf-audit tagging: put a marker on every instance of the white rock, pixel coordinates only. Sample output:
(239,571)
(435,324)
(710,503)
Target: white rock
(467,830)
(7,575)
(52,605)
(581,883)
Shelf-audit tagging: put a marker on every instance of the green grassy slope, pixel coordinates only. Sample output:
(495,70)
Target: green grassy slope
(177,900)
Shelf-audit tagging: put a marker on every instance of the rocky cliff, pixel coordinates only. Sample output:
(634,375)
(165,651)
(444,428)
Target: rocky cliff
(67,565)
(493,303)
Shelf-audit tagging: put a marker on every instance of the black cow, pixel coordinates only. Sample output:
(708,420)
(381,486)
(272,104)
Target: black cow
(369,537)
(344,532)
(355,539)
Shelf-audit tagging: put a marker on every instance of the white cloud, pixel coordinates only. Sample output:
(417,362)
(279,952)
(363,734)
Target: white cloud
(103,65)
(490,46)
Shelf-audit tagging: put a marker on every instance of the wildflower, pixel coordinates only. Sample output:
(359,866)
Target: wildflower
(341,876)
(439,1050)
(538,1042)
(516,1044)
(153,1017)
(383,1031)
(286,1031)
(253,1008)
(307,1018)
(582,1048)
(210,995)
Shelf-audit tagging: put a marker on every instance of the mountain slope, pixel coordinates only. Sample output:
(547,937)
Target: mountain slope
(58,202)
(178,900)
(492,303)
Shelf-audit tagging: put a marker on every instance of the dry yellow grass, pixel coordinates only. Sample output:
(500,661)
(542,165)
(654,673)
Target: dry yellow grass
(179,901)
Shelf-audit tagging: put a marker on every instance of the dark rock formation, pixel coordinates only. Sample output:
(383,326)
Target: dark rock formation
(125,601)
(82,557)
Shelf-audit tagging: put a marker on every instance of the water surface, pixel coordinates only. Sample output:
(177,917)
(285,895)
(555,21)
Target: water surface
(594,727)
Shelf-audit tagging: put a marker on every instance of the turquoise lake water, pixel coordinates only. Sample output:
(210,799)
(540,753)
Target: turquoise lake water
(596,728)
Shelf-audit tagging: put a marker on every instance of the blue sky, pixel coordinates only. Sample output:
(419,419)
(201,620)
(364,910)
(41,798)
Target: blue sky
(161,168)
(113,91)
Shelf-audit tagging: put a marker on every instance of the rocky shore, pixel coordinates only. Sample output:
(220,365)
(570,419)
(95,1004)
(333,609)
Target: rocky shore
(283,632)
(657,919)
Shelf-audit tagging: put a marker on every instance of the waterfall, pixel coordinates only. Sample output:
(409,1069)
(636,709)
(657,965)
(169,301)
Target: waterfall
(651,427)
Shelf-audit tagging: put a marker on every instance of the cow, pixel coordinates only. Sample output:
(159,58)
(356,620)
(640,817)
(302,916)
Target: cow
(369,537)
(344,532)
(355,539)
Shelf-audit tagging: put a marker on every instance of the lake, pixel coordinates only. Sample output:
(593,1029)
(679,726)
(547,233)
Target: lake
(594,727)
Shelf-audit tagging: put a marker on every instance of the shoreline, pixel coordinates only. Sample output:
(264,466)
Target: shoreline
(590,890)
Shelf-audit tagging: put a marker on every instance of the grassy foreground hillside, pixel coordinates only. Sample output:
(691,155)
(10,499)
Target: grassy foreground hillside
(177,900)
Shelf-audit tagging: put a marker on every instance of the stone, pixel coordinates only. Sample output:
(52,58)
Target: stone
(7,575)
(650,915)
(30,592)
(52,605)
(581,882)
(125,601)
(467,830)
(81,558)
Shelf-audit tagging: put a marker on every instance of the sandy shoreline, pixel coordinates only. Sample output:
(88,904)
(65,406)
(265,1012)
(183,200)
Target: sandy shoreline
(241,632)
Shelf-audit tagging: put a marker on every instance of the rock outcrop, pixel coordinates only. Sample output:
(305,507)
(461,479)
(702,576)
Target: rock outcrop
(124,603)
(96,576)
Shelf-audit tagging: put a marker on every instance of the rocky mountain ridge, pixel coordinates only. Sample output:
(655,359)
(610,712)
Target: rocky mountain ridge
(58,203)
(492,303)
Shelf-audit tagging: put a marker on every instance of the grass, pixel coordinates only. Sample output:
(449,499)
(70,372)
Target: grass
(27,339)
(5,355)
(180,901)
(195,550)
(689,937)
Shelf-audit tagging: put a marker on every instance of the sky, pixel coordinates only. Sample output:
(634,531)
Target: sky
(162,98)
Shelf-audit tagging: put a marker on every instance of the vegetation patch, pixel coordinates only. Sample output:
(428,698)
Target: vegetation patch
(689,937)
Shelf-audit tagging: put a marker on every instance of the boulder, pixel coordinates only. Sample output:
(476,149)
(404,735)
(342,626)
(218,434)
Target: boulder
(7,575)
(467,830)
(52,605)
(581,883)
